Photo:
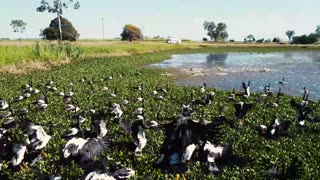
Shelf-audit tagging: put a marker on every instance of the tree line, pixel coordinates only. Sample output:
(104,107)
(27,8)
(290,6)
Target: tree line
(62,29)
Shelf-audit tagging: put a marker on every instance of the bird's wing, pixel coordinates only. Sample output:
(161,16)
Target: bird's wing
(126,126)
(72,147)
(40,133)
(94,147)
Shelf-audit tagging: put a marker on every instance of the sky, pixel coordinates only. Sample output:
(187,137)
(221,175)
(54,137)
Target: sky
(175,18)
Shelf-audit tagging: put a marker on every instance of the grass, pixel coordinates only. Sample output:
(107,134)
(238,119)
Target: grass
(260,152)
(30,56)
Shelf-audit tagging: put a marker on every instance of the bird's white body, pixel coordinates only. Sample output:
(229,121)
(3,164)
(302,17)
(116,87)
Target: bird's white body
(216,150)
(188,153)
(41,139)
(117,111)
(73,131)
(263,127)
(139,99)
(78,142)
(103,129)
(19,151)
(98,175)
(138,111)
(4,105)
(142,140)
(104,88)
(2,132)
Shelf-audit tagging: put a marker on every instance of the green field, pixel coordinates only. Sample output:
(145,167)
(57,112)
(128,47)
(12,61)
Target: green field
(100,62)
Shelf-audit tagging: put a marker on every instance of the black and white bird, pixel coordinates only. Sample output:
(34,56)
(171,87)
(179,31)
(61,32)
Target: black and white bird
(214,152)
(116,110)
(137,132)
(38,137)
(3,104)
(246,88)
(276,129)
(241,109)
(124,173)
(187,111)
(84,149)
(203,87)
(19,151)
(283,81)
(71,108)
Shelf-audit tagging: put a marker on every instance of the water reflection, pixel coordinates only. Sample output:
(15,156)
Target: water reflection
(300,69)
(316,57)
(216,59)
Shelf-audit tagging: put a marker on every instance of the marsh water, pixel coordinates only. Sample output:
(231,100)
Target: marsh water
(228,70)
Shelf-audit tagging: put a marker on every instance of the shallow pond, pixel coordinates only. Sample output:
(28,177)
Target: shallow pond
(229,70)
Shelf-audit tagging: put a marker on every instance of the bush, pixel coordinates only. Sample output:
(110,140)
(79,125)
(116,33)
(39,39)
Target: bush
(304,39)
(232,40)
(205,39)
(69,33)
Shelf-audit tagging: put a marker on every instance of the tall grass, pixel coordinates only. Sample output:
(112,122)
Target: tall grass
(40,52)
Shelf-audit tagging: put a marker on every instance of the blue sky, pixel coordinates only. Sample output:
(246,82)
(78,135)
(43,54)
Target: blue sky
(179,18)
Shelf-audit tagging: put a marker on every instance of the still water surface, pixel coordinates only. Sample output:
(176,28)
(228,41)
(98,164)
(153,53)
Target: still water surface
(229,70)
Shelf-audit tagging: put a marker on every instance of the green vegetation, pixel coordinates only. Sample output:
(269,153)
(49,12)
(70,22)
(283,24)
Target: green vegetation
(52,32)
(304,39)
(249,38)
(216,32)
(40,52)
(260,152)
(290,33)
(131,33)
(58,6)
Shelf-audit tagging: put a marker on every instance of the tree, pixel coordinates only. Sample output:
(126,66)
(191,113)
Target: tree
(52,32)
(290,34)
(260,40)
(318,30)
(216,32)
(250,38)
(57,7)
(131,32)
(276,40)
(210,27)
(220,33)
(18,26)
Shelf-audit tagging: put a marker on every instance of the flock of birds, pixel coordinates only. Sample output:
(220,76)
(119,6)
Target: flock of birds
(183,134)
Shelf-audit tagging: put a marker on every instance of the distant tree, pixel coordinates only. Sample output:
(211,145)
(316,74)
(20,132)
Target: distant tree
(52,32)
(267,40)
(220,33)
(260,40)
(216,32)
(58,7)
(205,39)
(304,39)
(276,40)
(18,26)
(250,38)
(131,32)
(210,27)
(290,34)
(318,30)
